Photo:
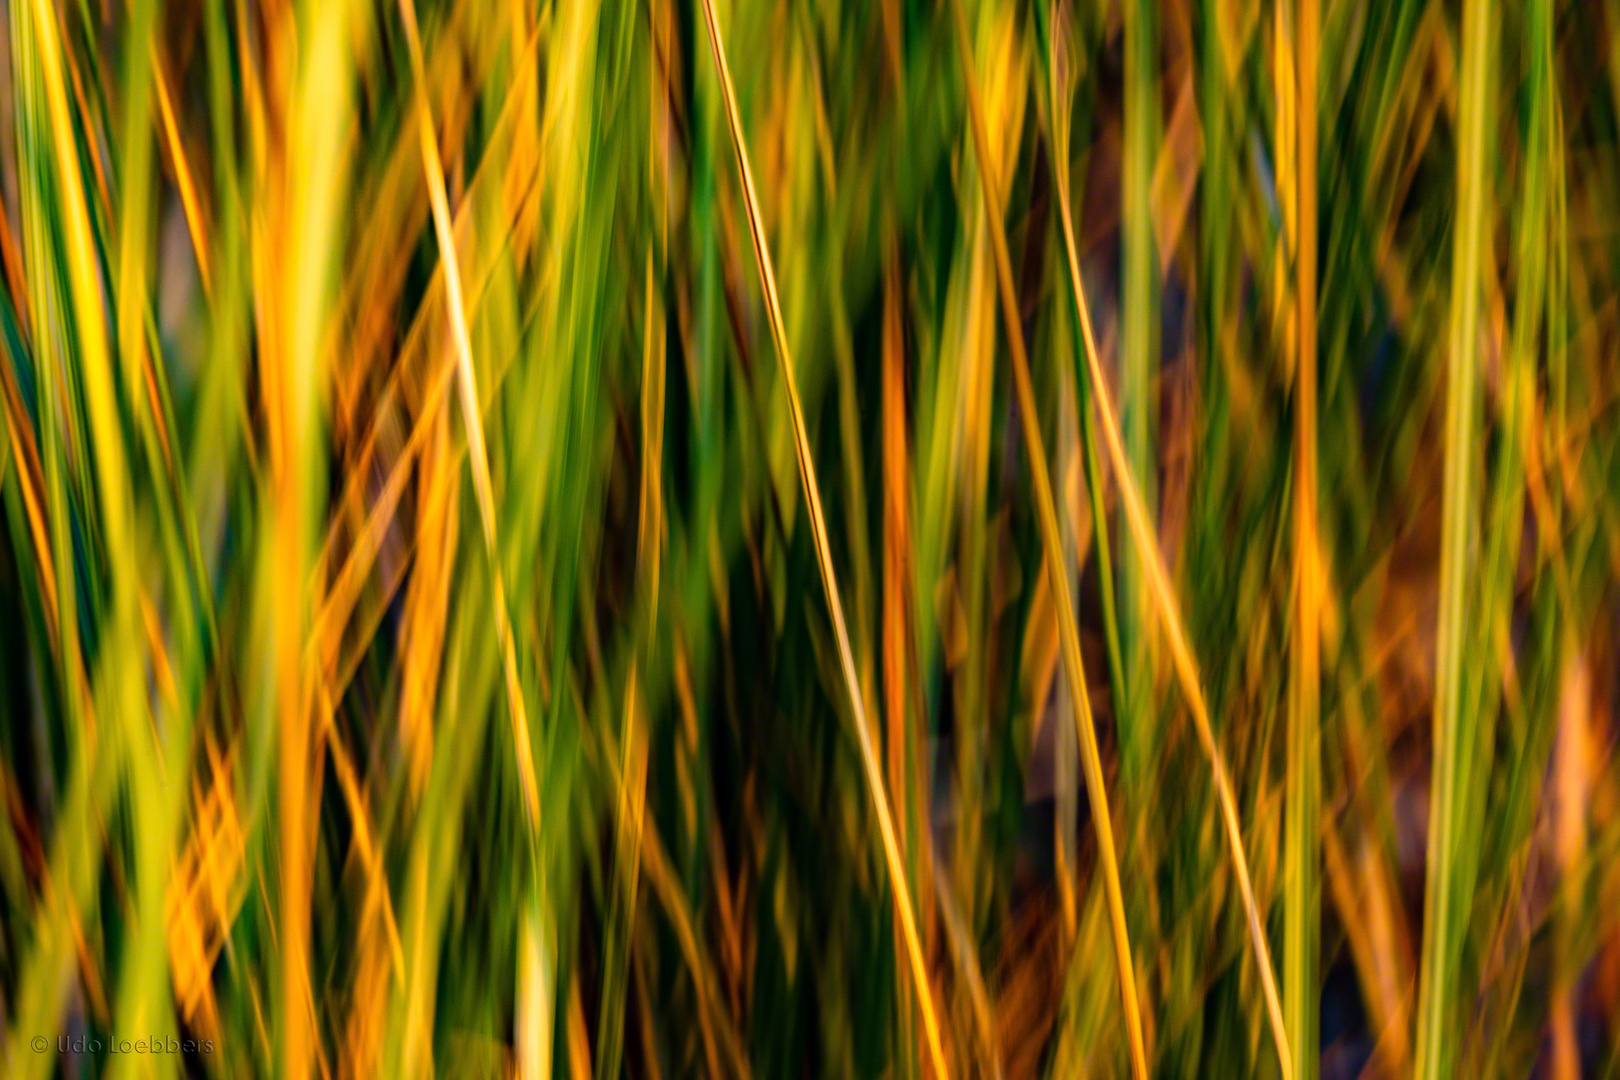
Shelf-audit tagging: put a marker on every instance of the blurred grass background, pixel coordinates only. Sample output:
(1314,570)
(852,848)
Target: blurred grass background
(786,538)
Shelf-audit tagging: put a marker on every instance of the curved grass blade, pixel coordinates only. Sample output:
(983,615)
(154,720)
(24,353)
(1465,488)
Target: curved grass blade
(1052,542)
(1059,116)
(476,450)
(1186,667)
(829,580)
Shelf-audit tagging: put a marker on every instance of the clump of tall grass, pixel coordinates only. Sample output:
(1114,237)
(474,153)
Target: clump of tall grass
(878,539)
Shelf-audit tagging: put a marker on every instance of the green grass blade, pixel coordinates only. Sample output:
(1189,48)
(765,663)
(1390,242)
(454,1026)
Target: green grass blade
(1456,793)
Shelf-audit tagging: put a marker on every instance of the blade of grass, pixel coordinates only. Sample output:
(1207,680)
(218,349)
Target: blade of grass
(978,543)
(1138,358)
(1058,66)
(829,581)
(310,165)
(1451,863)
(904,704)
(1056,568)
(182,175)
(1301,897)
(477,452)
(1163,603)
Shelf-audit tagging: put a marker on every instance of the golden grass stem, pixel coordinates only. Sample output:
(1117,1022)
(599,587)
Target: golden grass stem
(1164,604)
(483,489)
(829,580)
(182,175)
(1057,572)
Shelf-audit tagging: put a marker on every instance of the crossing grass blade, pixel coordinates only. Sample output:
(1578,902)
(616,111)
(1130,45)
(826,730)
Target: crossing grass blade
(1056,569)
(829,580)
(470,410)
(1166,609)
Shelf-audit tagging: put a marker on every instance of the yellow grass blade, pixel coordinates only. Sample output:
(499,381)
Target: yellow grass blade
(1163,600)
(1056,570)
(483,489)
(829,580)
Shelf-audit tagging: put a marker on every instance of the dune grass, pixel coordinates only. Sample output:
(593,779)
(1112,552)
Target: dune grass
(891,539)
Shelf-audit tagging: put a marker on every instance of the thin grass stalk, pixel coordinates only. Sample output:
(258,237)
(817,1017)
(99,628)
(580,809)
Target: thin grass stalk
(135,175)
(1138,358)
(182,176)
(829,581)
(1448,895)
(1301,897)
(907,776)
(1549,764)
(1163,603)
(1056,569)
(1576,773)
(1058,91)
(477,451)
